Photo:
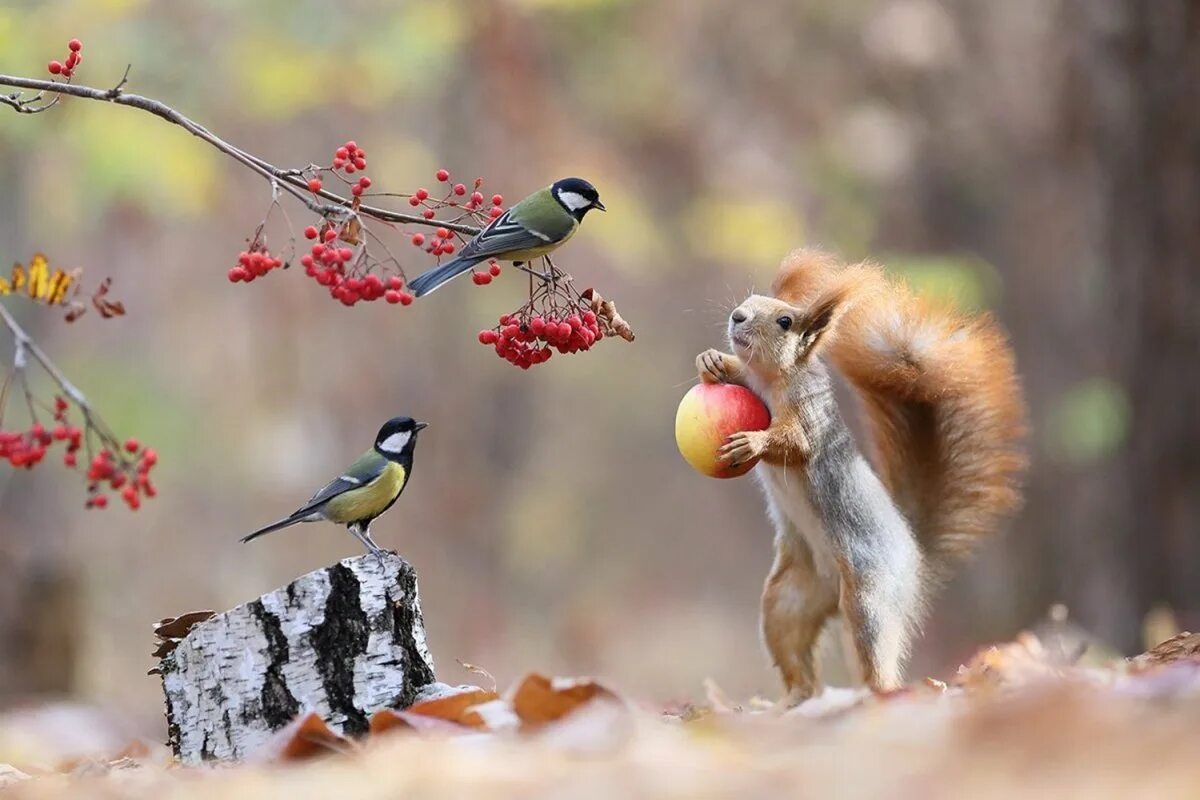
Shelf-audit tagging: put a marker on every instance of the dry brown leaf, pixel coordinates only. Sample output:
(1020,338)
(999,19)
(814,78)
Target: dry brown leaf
(613,323)
(389,719)
(537,699)
(1185,645)
(303,738)
(107,308)
(351,232)
(456,707)
(179,627)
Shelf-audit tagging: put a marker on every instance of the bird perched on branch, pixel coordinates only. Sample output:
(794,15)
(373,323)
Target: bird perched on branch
(534,227)
(366,489)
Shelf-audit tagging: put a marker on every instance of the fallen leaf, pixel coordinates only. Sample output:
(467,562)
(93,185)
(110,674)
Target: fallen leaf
(1185,645)
(303,738)
(456,707)
(537,699)
(389,719)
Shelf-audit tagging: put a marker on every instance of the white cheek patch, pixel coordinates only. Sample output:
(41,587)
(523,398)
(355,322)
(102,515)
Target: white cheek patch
(574,200)
(396,442)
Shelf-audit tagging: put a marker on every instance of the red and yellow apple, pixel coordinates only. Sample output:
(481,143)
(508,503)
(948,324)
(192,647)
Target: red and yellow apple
(708,414)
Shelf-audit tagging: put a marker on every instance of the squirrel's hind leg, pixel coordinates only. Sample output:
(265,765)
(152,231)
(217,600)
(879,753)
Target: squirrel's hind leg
(880,607)
(796,603)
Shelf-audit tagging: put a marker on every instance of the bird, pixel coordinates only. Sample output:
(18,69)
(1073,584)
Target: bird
(366,489)
(532,228)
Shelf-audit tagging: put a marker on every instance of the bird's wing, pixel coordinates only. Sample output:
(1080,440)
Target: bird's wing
(505,234)
(368,467)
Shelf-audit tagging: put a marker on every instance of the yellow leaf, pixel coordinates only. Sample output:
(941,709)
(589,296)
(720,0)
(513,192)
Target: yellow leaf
(38,273)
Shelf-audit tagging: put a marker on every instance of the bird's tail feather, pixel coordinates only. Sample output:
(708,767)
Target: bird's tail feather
(286,522)
(429,280)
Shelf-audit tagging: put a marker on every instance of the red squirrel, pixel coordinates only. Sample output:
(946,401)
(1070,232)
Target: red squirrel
(869,539)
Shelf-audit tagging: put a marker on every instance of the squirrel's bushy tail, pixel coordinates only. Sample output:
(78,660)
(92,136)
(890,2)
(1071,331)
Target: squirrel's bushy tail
(944,408)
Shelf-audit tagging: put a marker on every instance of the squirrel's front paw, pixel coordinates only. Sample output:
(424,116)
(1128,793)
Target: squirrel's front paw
(743,446)
(711,366)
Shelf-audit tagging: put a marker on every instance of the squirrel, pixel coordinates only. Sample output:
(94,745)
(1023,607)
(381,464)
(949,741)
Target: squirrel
(945,417)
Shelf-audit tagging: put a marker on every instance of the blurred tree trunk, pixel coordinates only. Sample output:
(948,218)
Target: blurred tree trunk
(1102,233)
(1138,67)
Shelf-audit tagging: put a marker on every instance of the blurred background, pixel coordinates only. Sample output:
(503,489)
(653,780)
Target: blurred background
(1040,158)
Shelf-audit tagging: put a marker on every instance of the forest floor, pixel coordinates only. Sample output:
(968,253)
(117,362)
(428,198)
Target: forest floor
(1020,720)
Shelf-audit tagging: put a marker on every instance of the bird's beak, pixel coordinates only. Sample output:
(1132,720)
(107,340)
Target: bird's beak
(599,206)
(420,426)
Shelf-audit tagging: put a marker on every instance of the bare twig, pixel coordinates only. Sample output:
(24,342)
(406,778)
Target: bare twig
(290,180)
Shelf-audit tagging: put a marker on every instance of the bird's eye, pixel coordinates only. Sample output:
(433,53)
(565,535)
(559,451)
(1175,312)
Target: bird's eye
(784,322)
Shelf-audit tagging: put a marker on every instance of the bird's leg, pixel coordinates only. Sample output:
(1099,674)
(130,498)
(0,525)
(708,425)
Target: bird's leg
(360,533)
(542,276)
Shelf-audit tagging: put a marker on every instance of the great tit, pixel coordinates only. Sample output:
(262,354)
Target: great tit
(537,225)
(366,489)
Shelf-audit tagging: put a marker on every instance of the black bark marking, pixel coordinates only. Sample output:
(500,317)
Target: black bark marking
(277,705)
(406,617)
(337,642)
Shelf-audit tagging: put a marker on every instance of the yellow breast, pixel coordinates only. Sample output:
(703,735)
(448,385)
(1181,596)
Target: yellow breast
(369,500)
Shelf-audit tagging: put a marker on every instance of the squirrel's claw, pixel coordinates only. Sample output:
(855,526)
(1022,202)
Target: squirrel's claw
(711,366)
(742,447)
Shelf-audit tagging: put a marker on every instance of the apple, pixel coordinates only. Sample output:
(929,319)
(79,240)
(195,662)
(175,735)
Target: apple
(708,414)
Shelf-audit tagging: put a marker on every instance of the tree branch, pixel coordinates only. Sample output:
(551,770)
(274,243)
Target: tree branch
(290,180)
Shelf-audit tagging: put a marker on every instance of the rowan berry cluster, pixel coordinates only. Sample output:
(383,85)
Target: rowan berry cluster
(67,69)
(524,341)
(127,472)
(253,263)
(126,468)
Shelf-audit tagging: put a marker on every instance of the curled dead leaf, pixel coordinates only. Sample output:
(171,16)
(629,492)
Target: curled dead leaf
(611,322)
(1182,646)
(537,700)
(457,707)
(303,738)
(389,719)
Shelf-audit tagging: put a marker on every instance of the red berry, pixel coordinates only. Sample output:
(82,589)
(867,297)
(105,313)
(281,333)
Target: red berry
(330,235)
(72,60)
(69,459)
(75,45)
(132,445)
(494,269)
(341,153)
(364,182)
(99,501)
(350,298)
(337,163)
(459,189)
(442,233)
(443,175)
(413,201)
(356,189)
(236,274)
(418,239)
(537,325)
(314,185)
(310,232)
(54,67)
(494,212)
(448,248)
(345,254)
(477,278)
(497,199)
(395,282)
(427,213)
(392,296)
(405,299)
(421,194)
(352,145)
(488,337)
(476,198)
(360,163)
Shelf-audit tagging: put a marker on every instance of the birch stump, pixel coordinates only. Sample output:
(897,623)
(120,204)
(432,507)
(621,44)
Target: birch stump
(344,641)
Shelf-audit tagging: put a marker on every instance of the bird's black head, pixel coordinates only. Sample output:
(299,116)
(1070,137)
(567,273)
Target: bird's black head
(398,436)
(577,196)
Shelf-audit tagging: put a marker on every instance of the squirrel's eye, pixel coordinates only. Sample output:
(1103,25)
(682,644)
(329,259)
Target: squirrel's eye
(784,322)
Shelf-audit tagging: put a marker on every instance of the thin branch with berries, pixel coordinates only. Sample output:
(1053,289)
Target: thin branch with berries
(346,257)
(123,467)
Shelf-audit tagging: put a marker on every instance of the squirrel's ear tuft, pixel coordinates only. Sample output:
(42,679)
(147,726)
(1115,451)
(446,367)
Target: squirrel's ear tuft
(820,318)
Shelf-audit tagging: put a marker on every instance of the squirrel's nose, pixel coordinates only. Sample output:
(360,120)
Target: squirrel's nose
(738,316)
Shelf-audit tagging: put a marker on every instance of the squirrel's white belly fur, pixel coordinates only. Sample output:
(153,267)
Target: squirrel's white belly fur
(792,513)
